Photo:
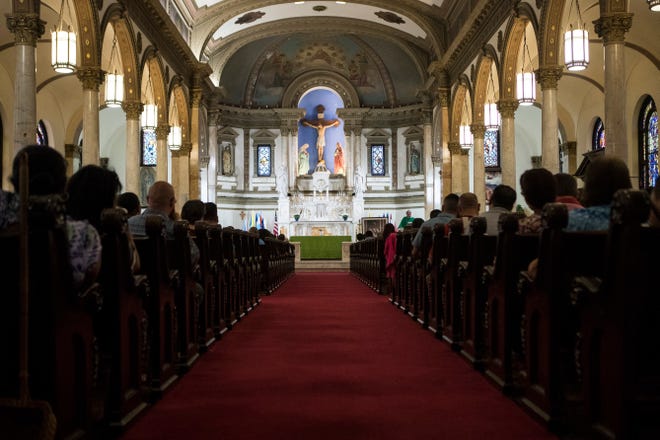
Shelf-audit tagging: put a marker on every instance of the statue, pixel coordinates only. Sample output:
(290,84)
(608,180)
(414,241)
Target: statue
(339,159)
(359,182)
(227,166)
(303,160)
(283,182)
(320,124)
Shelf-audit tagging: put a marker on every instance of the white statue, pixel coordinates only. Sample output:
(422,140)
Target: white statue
(283,182)
(359,182)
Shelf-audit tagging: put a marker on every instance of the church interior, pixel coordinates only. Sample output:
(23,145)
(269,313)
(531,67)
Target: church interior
(308,117)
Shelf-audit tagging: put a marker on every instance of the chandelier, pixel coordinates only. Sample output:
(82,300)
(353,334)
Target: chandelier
(149,117)
(114,82)
(576,42)
(175,137)
(63,42)
(526,80)
(492,117)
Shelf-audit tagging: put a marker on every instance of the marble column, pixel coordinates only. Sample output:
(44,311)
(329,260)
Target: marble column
(284,156)
(395,159)
(437,181)
(133,111)
(612,29)
(548,77)
(27,28)
(161,151)
(465,166)
(456,170)
(71,152)
(479,131)
(212,169)
(571,153)
(507,109)
(444,142)
(246,160)
(193,156)
(91,78)
(428,163)
(184,189)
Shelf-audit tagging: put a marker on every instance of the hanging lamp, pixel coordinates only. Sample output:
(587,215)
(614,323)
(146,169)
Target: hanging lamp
(149,118)
(576,42)
(465,137)
(175,137)
(654,5)
(492,118)
(526,80)
(63,42)
(114,82)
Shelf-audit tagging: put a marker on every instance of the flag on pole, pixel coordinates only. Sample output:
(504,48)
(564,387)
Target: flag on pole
(276,230)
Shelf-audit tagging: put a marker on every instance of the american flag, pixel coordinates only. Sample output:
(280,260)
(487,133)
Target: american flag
(276,230)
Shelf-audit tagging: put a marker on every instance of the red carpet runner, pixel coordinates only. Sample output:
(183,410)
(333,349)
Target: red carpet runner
(327,358)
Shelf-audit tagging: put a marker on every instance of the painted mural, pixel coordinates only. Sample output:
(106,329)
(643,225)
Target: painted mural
(284,63)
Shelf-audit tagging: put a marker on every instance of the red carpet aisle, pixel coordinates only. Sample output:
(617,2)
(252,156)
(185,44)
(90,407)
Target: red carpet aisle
(327,358)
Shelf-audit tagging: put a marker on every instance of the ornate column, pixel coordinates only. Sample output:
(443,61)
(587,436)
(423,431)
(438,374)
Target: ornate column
(507,109)
(571,153)
(444,94)
(456,167)
(184,189)
(548,77)
(161,151)
(212,169)
(395,159)
(437,181)
(284,155)
(612,28)
(479,131)
(91,78)
(246,159)
(27,28)
(133,111)
(193,159)
(428,161)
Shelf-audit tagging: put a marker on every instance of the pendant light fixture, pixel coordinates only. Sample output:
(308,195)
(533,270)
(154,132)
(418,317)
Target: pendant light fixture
(149,117)
(63,42)
(492,117)
(175,137)
(526,80)
(576,42)
(465,137)
(654,5)
(114,82)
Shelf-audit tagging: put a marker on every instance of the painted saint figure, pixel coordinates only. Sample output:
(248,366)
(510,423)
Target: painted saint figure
(320,124)
(303,160)
(227,166)
(339,159)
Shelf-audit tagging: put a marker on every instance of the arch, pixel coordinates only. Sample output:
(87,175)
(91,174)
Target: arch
(178,94)
(514,37)
(481,86)
(156,72)
(127,50)
(550,36)
(461,99)
(89,34)
(316,78)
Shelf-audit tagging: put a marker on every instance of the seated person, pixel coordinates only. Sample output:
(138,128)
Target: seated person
(437,217)
(538,188)
(130,202)
(192,211)
(211,213)
(567,191)
(468,207)
(47,175)
(501,202)
(605,176)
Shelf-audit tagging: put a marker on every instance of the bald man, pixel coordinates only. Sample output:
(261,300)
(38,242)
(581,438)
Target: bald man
(161,202)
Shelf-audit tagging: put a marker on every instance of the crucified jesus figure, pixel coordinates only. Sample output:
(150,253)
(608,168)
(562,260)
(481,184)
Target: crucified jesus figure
(320,124)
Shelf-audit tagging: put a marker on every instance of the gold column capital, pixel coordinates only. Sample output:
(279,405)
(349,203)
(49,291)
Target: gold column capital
(612,27)
(91,77)
(27,28)
(162,131)
(454,148)
(133,109)
(548,76)
(478,130)
(185,149)
(443,96)
(507,107)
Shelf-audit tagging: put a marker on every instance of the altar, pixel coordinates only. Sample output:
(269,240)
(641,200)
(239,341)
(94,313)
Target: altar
(320,228)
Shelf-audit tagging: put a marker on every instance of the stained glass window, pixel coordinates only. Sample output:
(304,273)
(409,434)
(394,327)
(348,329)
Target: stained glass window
(648,136)
(598,137)
(42,134)
(377,160)
(149,150)
(492,149)
(264,161)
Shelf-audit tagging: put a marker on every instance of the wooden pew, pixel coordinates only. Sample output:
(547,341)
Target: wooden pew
(160,306)
(503,309)
(206,334)
(62,349)
(421,301)
(216,255)
(481,252)
(231,278)
(438,266)
(122,324)
(548,326)
(453,285)
(618,350)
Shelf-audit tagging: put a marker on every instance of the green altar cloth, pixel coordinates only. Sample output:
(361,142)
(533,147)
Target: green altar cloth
(320,248)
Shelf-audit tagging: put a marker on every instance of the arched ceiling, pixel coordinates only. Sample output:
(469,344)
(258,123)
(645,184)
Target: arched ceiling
(256,48)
